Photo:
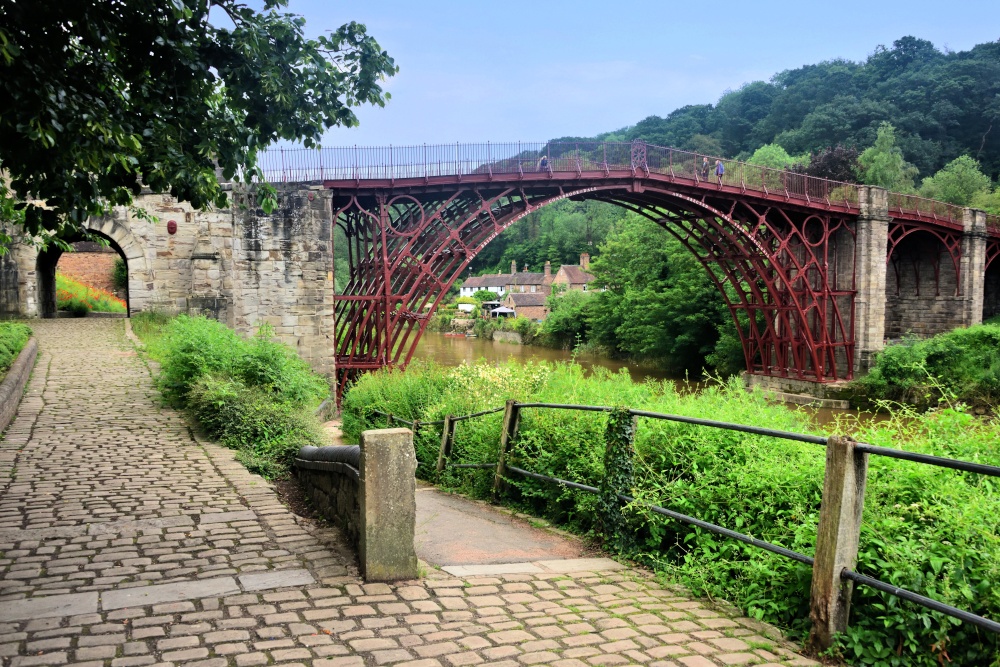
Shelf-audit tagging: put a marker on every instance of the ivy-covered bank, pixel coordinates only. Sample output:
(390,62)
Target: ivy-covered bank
(931,530)
(253,395)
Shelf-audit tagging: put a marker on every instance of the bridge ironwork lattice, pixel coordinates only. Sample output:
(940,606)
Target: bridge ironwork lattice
(779,245)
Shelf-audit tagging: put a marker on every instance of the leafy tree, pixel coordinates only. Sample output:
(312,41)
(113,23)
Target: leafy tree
(776,157)
(958,182)
(484,295)
(660,303)
(883,165)
(839,163)
(987,201)
(566,323)
(101,97)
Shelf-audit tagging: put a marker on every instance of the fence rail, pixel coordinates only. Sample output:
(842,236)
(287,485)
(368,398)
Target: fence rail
(829,554)
(362,163)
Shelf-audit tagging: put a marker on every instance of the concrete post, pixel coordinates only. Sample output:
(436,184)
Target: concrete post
(388,505)
(836,540)
(872,244)
(973,266)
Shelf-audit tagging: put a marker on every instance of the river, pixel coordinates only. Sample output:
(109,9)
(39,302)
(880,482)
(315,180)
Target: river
(452,351)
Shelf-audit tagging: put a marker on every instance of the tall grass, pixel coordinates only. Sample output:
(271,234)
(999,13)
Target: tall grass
(73,295)
(927,529)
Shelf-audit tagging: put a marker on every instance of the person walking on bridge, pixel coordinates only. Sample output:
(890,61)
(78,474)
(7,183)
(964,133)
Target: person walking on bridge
(543,163)
(704,168)
(719,170)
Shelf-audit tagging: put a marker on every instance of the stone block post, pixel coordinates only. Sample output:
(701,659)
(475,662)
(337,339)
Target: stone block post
(837,539)
(973,266)
(388,505)
(872,245)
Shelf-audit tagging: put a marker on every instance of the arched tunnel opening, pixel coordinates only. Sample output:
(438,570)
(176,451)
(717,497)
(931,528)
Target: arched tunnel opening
(991,291)
(87,271)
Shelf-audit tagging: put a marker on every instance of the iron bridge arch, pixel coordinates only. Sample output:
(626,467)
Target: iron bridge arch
(786,271)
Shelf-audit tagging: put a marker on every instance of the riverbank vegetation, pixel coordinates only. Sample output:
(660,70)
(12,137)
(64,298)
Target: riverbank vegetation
(927,529)
(960,366)
(253,395)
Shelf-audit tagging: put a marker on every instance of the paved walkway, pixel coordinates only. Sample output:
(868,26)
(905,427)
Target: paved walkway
(125,541)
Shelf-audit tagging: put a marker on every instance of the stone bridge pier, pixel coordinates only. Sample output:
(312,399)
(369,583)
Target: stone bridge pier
(237,265)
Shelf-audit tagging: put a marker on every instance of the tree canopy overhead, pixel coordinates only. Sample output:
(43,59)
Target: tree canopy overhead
(100,97)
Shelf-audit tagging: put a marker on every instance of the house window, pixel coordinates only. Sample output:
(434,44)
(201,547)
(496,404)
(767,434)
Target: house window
(584,287)
(532,288)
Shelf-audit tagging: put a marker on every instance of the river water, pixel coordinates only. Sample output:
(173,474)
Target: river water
(452,351)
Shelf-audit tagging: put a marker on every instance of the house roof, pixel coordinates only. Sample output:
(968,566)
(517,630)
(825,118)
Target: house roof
(527,299)
(502,309)
(482,282)
(526,278)
(575,274)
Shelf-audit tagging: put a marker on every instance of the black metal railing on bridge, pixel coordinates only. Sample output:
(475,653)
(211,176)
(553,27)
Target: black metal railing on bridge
(511,423)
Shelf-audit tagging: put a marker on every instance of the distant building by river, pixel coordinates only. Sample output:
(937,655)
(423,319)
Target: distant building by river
(526,291)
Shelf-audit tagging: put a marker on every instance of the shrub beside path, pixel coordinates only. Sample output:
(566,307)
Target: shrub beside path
(126,541)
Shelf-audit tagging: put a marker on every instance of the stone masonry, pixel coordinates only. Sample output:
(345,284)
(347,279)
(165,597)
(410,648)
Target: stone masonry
(125,541)
(237,265)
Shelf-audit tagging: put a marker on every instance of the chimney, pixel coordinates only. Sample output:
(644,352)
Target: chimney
(525,268)
(585,261)
(513,266)
(548,269)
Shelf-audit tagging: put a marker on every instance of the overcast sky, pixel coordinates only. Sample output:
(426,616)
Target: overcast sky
(476,71)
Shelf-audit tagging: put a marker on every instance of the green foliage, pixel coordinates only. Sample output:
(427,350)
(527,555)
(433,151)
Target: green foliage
(119,274)
(484,295)
(13,337)
(660,303)
(469,300)
(987,201)
(883,165)
(101,98)
(776,157)
(557,233)
(266,432)
(566,324)
(618,479)
(958,366)
(256,396)
(958,182)
(927,529)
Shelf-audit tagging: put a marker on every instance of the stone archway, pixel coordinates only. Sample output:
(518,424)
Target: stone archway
(121,239)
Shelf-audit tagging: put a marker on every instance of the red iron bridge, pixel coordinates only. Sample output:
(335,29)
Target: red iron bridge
(817,274)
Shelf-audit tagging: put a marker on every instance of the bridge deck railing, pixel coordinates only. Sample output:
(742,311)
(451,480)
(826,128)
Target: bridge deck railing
(365,163)
(391,163)
(830,523)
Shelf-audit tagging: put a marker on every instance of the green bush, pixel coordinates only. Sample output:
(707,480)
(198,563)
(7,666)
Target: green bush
(13,337)
(256,396)
(119,274)
(266,432)
(958,366)
(930,530)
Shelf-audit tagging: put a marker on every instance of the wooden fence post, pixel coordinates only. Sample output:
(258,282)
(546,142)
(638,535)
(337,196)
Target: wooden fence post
(511,420)
(388,421)
(447,439)
(837,539)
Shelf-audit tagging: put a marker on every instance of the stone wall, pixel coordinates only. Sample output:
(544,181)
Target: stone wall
(237,265)
(916,302)
(335,497)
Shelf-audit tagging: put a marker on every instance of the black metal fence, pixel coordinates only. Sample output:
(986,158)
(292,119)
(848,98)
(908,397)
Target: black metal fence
(857,452)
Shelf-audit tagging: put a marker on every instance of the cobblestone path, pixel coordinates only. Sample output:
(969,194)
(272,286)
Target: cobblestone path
(125,541)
